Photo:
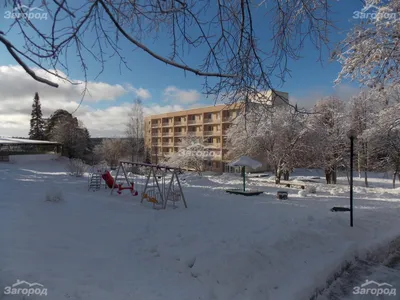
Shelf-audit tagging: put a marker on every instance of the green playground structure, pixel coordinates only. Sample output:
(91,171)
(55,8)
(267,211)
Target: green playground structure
(245,161)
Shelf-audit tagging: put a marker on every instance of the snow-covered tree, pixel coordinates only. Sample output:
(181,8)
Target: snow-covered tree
(70,132)
(192,154)
(370,54)
(385,139)
(364,109)
(111,151)
(274,137)
(329,126)
(36,131)
(135,131)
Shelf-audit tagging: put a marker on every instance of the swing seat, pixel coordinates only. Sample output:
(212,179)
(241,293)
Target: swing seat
(152,200)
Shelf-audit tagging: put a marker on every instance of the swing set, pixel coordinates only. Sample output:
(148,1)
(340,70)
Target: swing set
(155,190)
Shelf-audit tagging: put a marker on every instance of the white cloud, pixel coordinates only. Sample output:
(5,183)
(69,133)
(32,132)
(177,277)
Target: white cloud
(18,89)
(15,82)
(110,122)
(175,95)
(158,109)
(142,93)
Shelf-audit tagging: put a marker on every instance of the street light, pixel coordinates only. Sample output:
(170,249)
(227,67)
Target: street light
(351,134)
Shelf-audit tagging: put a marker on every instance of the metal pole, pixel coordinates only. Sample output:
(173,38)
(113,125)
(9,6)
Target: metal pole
(244,178)
(115,179)
(351,179)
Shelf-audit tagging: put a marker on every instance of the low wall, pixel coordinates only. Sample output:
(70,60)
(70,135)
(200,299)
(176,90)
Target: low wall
(32,157)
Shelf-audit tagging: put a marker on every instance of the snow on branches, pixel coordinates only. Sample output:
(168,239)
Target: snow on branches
(274,137)
(370,53)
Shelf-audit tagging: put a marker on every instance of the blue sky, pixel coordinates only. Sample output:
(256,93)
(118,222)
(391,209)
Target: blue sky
(163,85)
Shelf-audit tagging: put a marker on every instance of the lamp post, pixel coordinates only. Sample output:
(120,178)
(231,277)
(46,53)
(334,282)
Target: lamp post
(351,135)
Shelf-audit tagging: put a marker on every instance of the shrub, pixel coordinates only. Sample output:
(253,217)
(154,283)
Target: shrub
(311,189)
(76,167)
(302,193)
(54,194)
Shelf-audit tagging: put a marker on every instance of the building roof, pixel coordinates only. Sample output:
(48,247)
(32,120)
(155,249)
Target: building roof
(268,97)
(13,141)
(197,110)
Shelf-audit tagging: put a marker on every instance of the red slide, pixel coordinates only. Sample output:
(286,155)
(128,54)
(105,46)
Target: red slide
(111,183)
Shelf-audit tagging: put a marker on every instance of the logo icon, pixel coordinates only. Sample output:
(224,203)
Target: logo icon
(22,287)
(22,11)
(368,7)
(374,12)
(371,287)
(25,8)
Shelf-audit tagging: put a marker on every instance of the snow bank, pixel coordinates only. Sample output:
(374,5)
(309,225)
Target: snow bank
(96,246)
(33,157)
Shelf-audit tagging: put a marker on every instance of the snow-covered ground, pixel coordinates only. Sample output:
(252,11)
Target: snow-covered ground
(94,245)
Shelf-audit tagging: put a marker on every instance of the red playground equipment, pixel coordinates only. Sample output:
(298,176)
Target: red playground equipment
(111,184)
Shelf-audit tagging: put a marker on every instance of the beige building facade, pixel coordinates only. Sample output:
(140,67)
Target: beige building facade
(164,133)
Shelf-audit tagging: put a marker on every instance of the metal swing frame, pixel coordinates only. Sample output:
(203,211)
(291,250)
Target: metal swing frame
(152,175)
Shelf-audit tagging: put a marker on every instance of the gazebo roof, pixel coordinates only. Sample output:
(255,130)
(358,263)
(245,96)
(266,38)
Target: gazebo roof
(245,161)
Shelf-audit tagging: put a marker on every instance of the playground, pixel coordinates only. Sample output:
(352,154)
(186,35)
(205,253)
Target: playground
(98,244)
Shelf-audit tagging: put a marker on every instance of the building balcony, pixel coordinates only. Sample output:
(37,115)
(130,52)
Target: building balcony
(227,119)
(155,134)
(168,144)
(167,124)
(167,133)
(207,121)
(195,133)
(212,133)
(179,133)
(180,123)
(212,145)
(194,122)
(155,125)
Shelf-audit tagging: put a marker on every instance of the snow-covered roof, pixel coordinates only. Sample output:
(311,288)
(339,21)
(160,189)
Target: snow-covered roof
(7,140)
(246,162)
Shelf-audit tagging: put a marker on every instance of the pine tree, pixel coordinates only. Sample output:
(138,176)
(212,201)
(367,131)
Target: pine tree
(36,131)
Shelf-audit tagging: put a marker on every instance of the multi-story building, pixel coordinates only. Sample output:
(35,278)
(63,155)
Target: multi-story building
(164,133)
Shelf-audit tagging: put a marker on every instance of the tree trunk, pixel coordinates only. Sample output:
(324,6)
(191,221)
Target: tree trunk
(394,179)
(328,176)
(366,178)
(133,146)
(286,175)
(278,174)
(359,164)
(334,176)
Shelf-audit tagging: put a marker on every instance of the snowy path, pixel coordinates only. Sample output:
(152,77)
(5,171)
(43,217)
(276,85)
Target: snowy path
(94,246)
(349,285)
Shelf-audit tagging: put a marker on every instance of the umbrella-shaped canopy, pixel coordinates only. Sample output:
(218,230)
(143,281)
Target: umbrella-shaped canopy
(245,161)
